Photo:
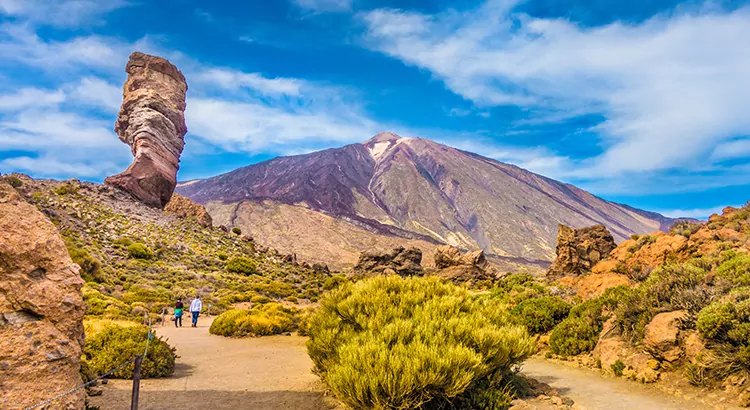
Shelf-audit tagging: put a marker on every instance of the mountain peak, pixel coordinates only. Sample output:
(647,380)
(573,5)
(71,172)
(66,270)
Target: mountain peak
(383,137)
(381,143)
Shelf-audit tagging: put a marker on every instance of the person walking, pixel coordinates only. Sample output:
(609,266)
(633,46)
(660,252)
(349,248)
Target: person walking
(195,308)
(178,308)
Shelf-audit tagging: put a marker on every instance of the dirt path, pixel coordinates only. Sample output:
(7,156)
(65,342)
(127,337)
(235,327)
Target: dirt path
(214,372)
(591,390)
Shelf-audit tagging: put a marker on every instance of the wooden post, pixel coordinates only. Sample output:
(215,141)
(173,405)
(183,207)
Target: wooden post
(136,383)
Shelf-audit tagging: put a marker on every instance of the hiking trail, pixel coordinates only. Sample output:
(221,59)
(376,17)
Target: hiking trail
(214,372)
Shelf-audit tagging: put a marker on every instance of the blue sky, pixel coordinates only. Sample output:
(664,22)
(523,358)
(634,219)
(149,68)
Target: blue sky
(642,102)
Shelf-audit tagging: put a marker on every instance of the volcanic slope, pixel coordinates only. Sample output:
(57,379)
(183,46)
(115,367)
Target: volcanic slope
(327,206)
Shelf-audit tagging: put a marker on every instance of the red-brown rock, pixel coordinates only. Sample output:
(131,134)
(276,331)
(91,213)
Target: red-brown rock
(578,250)
(152,123)
(41,309)
(185,208)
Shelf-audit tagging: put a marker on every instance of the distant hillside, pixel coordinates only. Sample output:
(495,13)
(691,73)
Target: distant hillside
(329,205)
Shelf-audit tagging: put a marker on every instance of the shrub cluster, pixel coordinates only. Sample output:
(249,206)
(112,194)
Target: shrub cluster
(243,265)
(262,320)
(397,343)
(541,314)
(725,325)
(139,251)
(115,344)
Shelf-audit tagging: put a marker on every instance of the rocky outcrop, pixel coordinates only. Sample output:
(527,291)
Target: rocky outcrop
(447,256)
(661,336)
(152,123)
(41,309)
(400,261)
(185,208)
(578,250)
(469,267)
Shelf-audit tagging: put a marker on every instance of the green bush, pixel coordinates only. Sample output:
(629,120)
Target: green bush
(243,265)
(114,345)
(540,315)
(725,326)
(579,332)
(398,343)
(262,320)
(66,189)
(685,228)
(618,367)
(13,181)
(236,231)
(334,281)
(735,268)
(90,266)
(139,251)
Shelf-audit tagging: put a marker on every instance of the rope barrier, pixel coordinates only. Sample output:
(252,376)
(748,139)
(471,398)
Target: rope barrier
(61,395)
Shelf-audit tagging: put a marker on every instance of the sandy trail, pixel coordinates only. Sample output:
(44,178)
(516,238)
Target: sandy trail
(591,390)
(215,372)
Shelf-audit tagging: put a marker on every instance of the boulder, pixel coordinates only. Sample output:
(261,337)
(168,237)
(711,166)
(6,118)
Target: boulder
(185,208)
(578,250)
(152,123)
(400,261)
(661,336)
(447,256)
(41,309)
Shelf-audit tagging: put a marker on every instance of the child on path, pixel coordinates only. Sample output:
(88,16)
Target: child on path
(178,307)
(195,308)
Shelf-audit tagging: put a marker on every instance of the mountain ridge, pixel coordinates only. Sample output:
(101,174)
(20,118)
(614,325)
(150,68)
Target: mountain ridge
(417,189)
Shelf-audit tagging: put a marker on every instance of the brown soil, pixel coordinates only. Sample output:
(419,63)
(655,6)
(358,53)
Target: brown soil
(215,372)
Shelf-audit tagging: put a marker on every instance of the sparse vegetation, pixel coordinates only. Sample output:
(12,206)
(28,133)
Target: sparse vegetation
(13,181)
(236,231)
(418,336)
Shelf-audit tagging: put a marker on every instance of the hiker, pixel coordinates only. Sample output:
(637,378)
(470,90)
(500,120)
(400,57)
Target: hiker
(195,308)
(178,307)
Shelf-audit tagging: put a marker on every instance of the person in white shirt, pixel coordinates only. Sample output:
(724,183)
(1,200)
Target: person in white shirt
(195,308)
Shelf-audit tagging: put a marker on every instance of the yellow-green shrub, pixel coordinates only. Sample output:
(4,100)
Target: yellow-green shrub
(139,251)
(397,343)
(243,265)
(261,320)
(540,315)
(113,345)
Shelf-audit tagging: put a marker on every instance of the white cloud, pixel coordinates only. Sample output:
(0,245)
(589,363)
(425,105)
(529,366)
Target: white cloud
(30,97)
(50,166)
(97,92)
(699,213)
(731,150)
(324,5)
(671,88)
(19,43)
(256,127)
(60,13)
(232,80)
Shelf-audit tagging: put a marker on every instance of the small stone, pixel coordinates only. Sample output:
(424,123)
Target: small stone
(556,400)
(95,391)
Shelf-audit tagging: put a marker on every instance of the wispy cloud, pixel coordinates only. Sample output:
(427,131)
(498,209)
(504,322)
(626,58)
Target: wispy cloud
(61,13)
(700,213)
(671,88)
(324,5)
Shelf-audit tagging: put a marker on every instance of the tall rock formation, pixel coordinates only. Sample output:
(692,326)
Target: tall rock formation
(41,309)
(152,123)
(578,250)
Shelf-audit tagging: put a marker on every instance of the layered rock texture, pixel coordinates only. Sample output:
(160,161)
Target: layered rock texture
(578,250)
(185,208)
(41,309)
(152,123)
(400,261)
(392,191)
